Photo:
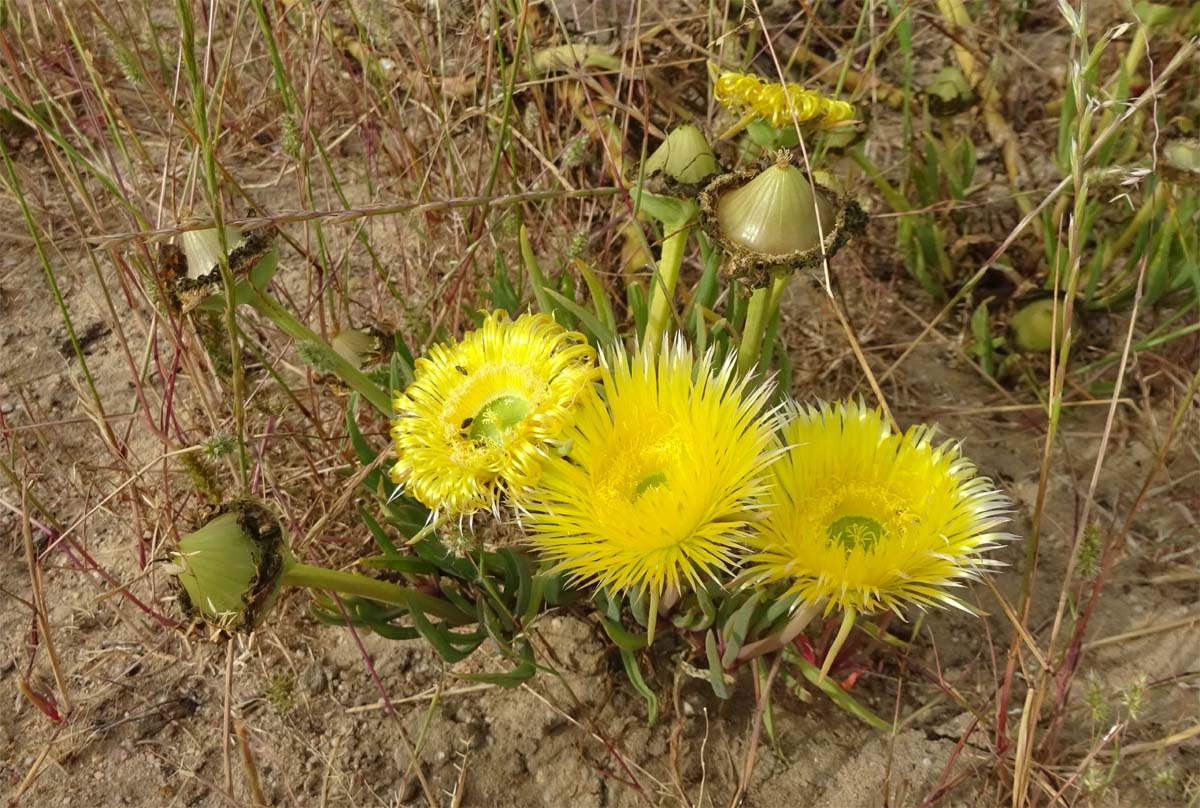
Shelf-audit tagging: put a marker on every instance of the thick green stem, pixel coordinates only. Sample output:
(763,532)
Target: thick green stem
(662,291)
(354,378)
(348,583)
(763,304)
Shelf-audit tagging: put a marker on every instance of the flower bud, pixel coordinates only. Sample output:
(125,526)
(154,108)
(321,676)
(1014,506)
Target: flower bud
(950,93)
(684,157)
(1181,161)
(1033,327)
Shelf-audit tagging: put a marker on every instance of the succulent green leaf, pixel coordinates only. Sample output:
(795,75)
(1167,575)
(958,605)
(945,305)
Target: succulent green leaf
(716,672)
(629,659)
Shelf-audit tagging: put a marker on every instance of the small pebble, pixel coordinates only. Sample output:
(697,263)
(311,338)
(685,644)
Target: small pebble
(315,679)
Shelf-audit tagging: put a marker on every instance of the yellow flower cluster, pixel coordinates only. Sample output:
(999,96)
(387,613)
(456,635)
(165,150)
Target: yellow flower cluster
(747,94)
(674,469)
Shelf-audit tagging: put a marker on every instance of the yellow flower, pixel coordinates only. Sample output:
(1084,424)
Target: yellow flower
(747,94)
(862,519)
(662,476)
(867,519)
(479,418)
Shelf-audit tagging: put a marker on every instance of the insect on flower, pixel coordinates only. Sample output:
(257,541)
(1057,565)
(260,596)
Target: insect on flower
(482,413)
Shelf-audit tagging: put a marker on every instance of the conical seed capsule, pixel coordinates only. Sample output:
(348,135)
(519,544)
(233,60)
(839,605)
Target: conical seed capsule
(190,266)
(775,218)
(775,213)
(203,249)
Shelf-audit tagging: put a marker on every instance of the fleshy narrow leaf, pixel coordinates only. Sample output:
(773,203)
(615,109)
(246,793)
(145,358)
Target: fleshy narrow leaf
(600,333)
(625,640)
(840,697)
(524,670)
(599,296)
(716,673)
(536,277)
(735,629)
(399,563)
(639,684)
(378,533)
(450,648)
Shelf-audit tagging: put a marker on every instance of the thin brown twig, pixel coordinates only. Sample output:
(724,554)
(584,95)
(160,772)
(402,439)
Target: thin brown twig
(226,721)
(248,765)
(755,729)
(347,214)
(37,598)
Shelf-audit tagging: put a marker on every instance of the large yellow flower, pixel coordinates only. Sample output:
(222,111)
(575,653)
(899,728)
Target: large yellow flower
(662,475)
(479,417)
(864,519)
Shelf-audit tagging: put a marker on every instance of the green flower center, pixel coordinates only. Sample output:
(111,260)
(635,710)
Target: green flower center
(654,480)
(856,533)
(498,416)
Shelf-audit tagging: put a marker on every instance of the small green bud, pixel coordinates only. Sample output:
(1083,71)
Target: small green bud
(576,150)
(1133,697)
(1089,552)
(1034,328)
(282,692)
(950,93)
(578,245)
(203,475)
(1095,779)
(510,223)
(128,64)
(230,570)
(1096,701)
(290,137)
(1181,161)
(218,445)
(1166,778)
